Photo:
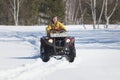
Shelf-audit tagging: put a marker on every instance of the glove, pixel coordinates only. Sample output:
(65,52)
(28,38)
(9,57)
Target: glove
(57,29)
(61,31)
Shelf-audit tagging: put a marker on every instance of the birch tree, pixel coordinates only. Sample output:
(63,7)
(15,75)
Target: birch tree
(107,17)
(93,9)
(76,20)
(102,10)
(79,16)
(15,9)
(70,11)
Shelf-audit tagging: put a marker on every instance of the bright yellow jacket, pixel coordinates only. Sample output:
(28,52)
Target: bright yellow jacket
(57,26)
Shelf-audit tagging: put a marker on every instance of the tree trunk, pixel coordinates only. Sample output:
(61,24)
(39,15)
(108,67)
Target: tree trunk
(99,20)
(107,17)
(71,11)
(15,8)
(93,9)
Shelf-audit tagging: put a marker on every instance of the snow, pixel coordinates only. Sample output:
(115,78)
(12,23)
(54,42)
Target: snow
(95,64)
(98,54)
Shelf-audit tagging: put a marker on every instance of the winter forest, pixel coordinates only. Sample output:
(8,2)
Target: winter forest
(38,12)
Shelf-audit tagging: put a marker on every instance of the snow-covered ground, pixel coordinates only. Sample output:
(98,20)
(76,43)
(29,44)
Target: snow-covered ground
(98,55)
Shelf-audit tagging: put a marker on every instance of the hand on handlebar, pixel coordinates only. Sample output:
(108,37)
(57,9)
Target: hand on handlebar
(57,31)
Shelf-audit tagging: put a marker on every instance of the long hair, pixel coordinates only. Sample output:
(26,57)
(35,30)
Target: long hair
(52,19)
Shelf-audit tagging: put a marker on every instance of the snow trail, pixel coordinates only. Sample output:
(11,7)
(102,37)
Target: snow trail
(96,50)
(37,70)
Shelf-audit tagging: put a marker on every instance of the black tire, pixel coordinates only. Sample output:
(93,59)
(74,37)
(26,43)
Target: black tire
(72,55)
(44,56)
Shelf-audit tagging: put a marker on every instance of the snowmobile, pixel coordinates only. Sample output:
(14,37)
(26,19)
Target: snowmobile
(57,44)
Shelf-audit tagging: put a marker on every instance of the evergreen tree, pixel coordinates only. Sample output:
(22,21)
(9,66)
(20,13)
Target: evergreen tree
(49,8)
(2,12)
(29,12)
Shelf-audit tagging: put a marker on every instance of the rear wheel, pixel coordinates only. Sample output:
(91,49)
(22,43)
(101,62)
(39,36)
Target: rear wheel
(44,56)
(72,55)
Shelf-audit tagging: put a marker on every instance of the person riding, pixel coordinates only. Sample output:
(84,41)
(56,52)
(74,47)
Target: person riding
(55,26)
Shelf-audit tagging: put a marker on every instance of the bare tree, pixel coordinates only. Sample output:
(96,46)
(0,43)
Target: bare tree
(80,11)
(107,17)
(82,14)
(15,8)
(93,9)
(70,11)
(99,20)
(77,12)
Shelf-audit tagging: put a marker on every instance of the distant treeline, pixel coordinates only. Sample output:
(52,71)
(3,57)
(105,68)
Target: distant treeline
(39,12)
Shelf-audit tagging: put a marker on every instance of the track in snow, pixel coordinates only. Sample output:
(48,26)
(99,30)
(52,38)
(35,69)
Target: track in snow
(90,39)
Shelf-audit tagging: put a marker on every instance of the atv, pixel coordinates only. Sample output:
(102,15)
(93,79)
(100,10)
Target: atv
(57,44)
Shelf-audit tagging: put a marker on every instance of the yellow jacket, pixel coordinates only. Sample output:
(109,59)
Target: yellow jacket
(57,26)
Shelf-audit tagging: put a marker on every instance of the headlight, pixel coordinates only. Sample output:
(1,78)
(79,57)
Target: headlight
(67,40)
(50,40)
